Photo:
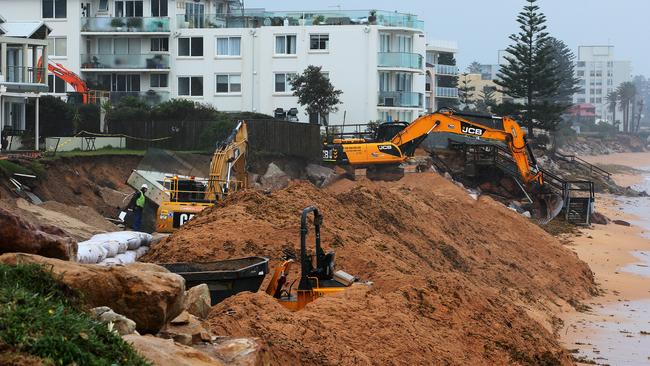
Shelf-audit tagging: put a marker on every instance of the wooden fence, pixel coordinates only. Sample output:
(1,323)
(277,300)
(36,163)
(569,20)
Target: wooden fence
(282,137)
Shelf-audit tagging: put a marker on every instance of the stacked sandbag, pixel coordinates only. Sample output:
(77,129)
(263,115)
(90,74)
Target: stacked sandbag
(121,247)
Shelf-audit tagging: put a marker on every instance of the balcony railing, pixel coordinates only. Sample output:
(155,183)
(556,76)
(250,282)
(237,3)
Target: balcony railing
(148,62)
(151,97)
(16,74)
(446,69)
(133,24)
(400,60)
(442,92)
(256,19)
(400,99)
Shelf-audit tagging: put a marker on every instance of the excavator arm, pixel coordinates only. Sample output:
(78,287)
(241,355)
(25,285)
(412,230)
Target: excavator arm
(229,159)
(66,75)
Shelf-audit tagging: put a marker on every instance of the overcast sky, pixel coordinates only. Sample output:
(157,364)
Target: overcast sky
(482,27)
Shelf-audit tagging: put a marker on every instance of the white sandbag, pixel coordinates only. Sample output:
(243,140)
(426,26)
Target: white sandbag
(112,248)
(130,238)
(122,246)
(90,252)
(127,257)
(110,262)
(141,251)
(146,239)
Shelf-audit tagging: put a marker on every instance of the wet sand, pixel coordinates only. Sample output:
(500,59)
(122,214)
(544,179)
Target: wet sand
(616,328)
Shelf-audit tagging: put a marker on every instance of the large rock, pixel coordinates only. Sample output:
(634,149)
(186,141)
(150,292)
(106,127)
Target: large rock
(237,351)
(18,235)
(186,329)
(121,324)
(320,175)
(149,298)
(165,352)
(274,178)
(197,301)
(598,218)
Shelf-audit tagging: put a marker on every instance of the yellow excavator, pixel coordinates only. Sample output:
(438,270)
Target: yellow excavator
(387,153)
(188,195)
(315,281)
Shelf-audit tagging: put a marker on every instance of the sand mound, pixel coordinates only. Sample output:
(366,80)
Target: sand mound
(451,275)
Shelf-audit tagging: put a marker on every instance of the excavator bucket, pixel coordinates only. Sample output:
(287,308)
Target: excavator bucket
(546,207)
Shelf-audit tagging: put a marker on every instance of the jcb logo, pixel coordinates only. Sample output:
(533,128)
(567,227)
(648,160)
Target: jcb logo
(471,130)
(384,147)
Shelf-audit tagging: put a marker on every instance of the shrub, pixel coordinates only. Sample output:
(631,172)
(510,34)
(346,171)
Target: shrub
(55,117)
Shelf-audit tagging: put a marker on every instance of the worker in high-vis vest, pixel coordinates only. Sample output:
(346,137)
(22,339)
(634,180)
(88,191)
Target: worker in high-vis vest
(138,207)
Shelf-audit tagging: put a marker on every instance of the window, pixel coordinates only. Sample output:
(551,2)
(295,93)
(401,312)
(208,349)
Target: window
(190,86)
(319,41)
(228,83)
(57,46)
(228,46)
(581,64)
(195,14)
(282,81)
(158,8)
(384,81)
(103,5)
(581,73)
(404,44)
(125,82)
(285,45)
(54,9)
(599,100)
(55,85)
(190,46)
(158,81)
(126,46)
(592,100)
(581,100)
(159,44)
(128,8)
(384,44)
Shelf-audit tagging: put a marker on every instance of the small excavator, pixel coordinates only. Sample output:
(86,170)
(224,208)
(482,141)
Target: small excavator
(61,72)
(188,195)
(315,282)
(387,153)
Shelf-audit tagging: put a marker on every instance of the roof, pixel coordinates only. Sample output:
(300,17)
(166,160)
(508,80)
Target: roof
(36,29)
(584,110)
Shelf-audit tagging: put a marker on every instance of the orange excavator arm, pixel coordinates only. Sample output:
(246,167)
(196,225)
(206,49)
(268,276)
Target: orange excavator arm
(66,75)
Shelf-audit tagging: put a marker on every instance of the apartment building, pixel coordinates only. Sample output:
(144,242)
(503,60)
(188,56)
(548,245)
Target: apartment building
(441,75)
(21,78)
(599,74)
(216,52)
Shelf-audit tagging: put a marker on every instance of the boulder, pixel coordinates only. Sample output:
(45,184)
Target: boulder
(621,222)
(237,351)
(18,235)
(165,352)
(121,324)
(149,298)
(197,301)
(274,178)
(320,175)
(598,218)
(186,329)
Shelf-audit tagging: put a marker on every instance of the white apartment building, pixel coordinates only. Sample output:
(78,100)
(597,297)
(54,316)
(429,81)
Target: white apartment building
(441,75)
(214,51)
(599,74)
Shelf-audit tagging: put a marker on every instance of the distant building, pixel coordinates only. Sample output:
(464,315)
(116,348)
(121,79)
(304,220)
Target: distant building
(441,75)
(479,82)
(599,74)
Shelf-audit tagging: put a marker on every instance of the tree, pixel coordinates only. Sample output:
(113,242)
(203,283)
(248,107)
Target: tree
(531,72)
(563,60)
(474,68)
(612,103)
(315,91)
(626,96)
(466,93)
(487,100)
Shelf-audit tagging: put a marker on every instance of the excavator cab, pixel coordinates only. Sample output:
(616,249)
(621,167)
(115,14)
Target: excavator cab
(315,280)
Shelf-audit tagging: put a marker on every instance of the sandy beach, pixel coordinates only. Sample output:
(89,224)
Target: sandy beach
(613,330)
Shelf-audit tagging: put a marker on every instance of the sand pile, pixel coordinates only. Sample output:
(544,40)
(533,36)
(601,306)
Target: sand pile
(455,280)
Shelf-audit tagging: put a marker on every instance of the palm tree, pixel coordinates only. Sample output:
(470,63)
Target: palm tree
(612,99)
(626,95)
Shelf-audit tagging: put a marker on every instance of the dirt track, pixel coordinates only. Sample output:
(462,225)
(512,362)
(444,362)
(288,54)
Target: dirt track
(455,281)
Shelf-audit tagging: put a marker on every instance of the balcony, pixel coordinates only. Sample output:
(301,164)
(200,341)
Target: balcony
(400,99)
(150,97)
(25,75)
(98,62)
(256,19)
(446,92)
(125,25)
(400,60)
(446,70)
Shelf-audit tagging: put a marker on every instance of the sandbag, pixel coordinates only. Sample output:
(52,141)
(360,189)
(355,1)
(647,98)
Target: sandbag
(130,238)
(127,257)
(112,248)
(110,262)
(90,253)
(141,251)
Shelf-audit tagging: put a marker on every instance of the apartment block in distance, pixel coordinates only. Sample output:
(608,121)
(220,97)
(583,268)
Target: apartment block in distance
(599,74)
(236,59)
(441,75)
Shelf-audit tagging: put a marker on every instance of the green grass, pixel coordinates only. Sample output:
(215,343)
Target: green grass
(99,152)
(9,168)
(40,316)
